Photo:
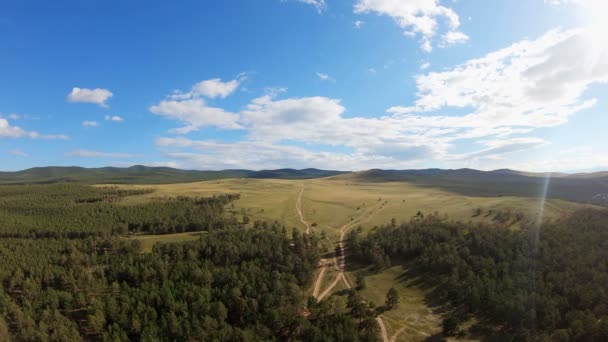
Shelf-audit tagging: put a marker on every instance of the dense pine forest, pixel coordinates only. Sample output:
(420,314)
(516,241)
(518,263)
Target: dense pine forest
(78,211)
(69,272)
(547,284)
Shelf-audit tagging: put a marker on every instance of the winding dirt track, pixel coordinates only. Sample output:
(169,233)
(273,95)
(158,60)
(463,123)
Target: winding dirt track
(382,329)
(315,293)
(299,209)
(341,262)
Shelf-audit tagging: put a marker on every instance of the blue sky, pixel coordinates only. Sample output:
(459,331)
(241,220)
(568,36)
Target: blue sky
(349,84)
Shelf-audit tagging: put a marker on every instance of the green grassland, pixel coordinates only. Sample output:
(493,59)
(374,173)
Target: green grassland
(148,241)
(412,315)
(329,205)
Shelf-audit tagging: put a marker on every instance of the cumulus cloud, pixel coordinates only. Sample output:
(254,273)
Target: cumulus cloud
(195,113)
(359,23)
(216,88)
(114,118)
(192,109)
(212,88)
(419,18)
(206,154)
(530,84)
(96,154)
(500,99)
(9,131)
(98,96)
(90,123)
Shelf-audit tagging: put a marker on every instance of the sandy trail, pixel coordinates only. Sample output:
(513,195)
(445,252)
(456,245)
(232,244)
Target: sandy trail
(299,209)
(403,329)
(341,262)
(382,329)
(315,293)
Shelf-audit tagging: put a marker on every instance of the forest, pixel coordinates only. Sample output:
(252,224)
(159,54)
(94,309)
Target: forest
(69,272)
(538,283)
(79,211)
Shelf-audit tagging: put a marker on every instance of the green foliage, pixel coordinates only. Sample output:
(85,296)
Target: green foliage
(450,325)
(79,211)
(392,298)
(68,274)
(535,283)
(360,281)
(146,175)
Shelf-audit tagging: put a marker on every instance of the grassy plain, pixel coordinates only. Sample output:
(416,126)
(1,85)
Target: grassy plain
(329,205)
(412,319)
(148,241)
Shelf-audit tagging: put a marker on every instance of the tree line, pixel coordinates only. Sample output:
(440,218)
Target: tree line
(79,211)
(547,283)
(67,272)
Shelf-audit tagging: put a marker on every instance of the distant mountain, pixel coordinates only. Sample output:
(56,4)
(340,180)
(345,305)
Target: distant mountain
(147,175)
(589,188)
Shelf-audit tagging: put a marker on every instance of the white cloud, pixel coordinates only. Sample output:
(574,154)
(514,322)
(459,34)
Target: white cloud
(212,88)
(531,84)
(422,18)
(319,5)
(325,77)
(90,123)
(114,118)
(216,88)
(587,3)
(192,110)
(96,154)
(195,113)
(98,96)
(496,148)
(500,100)
(258,155)
(18,153)
(359,24)
(454,37)
(8,131)
(575,159)
(425,66)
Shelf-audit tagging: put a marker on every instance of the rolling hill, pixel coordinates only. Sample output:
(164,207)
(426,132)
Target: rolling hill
(147,175)
(589,188)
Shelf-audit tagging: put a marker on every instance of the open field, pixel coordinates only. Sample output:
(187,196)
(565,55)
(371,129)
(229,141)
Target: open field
(261,199)
(412,319)
(148,241)
(333,206)
(328,204)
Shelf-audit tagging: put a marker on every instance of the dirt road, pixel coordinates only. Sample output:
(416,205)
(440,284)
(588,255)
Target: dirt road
(341,259)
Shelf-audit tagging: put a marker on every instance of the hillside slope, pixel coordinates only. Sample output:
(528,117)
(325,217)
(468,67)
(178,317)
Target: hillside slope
(590,188)
(146,175)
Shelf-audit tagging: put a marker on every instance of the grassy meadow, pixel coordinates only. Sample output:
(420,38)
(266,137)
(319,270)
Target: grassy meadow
(331,205)
(148,241)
